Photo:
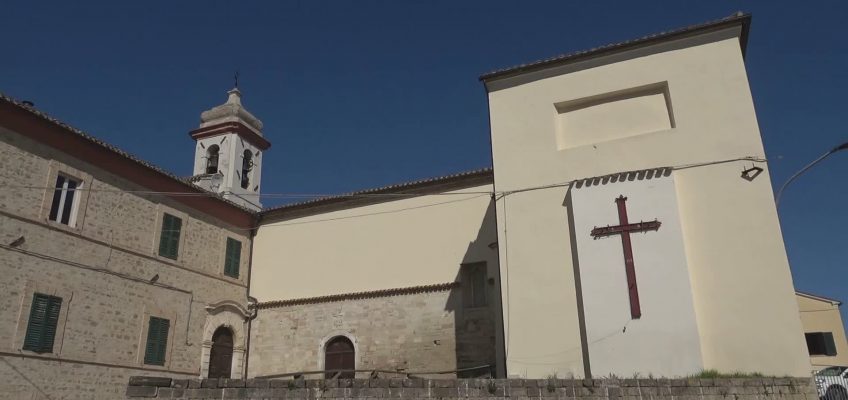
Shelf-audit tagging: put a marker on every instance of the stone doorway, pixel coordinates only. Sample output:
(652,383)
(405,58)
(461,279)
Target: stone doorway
(221,355)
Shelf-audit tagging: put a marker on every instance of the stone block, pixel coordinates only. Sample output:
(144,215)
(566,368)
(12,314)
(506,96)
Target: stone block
(171,393)
(345,383)
(141,391)
(262,393)
(203,393)
(194,384)
(179,383)
(210,383)
(678,382)
(395,383)
(257,383)
(444,392)
(378,383)
(707,382)
(361,383)
(443,383)
(150,381)
(234,393)
(231,383)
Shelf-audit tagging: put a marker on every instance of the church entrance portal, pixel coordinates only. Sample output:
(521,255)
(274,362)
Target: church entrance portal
(221,356)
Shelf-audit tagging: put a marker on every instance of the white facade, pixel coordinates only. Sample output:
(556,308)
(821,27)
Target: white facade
(664,340)
(681,102)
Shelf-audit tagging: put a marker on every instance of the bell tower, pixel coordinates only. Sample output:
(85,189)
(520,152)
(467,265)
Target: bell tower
(229,152)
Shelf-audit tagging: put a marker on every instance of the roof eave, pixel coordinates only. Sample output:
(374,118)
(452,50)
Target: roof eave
(741,19)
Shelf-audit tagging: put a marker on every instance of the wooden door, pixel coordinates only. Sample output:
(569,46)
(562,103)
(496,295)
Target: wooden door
(221,356)
(339,354)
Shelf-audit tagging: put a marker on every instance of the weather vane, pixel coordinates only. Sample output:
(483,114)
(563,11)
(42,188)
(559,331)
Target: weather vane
(235,78)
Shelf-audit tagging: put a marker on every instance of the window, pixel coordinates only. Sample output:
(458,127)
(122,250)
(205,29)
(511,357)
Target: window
(820,343)
(246,166)
(157,341)
(63,209)
(474,285)
(233,258)
(43,318)
(212,159)
(169,240)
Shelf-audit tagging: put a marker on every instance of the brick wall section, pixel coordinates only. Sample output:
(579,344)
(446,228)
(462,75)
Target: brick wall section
(422,331)
(101,343)
(524,389)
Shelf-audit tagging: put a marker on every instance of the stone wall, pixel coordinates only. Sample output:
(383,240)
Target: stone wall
(603,389)
(102,268)
(424,331)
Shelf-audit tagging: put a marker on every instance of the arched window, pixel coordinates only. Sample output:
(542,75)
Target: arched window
(221,356)
(246,166)
(212,159)
(339,355)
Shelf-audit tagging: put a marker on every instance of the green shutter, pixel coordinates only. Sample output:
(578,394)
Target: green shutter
(169,240)
(233,258)
(157,341)
(43,318)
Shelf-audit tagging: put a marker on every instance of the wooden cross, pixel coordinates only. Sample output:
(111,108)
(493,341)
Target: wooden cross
(624,228)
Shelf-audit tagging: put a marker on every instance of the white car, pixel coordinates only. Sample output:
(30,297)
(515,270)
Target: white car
(832,383)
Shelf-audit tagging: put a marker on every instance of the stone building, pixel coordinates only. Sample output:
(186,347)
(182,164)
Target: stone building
(527,269)
(104,276)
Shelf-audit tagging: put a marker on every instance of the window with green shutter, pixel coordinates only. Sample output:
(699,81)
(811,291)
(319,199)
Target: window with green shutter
(233,258)
(169,240)
(157,341)
(43,318)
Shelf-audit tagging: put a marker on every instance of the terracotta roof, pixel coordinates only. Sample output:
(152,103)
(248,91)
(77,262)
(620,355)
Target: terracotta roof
(412,189)
(624,176)
(113,149)
(737,18)
(440,287)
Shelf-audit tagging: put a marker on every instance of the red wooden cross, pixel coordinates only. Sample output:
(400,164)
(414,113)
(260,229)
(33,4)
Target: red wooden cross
(624,228)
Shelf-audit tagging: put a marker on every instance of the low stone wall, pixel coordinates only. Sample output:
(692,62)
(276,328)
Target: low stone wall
(524,389)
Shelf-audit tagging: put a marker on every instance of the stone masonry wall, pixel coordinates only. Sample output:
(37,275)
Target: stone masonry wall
(518,389)
(421,331)
(102,269)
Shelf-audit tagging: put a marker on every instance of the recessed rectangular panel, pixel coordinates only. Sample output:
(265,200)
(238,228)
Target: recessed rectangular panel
(612,116)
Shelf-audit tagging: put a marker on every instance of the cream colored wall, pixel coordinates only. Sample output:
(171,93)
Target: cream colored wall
(411,242)
(395,244)
(823,316)
(731,233)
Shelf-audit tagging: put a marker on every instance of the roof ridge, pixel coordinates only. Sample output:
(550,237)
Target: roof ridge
(117,150)
(737,16)
(390,187)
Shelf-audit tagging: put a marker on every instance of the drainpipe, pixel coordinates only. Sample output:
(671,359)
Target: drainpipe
(251,303)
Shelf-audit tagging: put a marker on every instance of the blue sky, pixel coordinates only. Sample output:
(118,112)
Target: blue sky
(359,94)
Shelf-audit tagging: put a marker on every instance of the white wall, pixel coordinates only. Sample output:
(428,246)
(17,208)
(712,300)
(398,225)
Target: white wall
(664,341)
(739,272)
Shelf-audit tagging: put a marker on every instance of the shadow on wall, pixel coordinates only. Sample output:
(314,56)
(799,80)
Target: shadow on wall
(476,303)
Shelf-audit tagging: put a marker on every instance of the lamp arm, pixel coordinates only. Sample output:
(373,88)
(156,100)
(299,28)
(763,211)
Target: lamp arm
(808,166)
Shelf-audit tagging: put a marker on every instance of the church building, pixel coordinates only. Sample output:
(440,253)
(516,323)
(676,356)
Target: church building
(626,227)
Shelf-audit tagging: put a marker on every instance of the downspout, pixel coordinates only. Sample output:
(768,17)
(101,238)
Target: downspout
(251,301)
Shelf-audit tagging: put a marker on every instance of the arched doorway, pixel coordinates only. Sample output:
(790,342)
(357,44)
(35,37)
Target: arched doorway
(339,354)
(221,356)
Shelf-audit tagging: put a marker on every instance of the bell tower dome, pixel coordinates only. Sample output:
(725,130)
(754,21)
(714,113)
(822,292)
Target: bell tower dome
(229,152)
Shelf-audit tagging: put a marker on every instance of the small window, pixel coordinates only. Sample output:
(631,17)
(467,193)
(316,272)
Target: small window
(246,167)
(474,285)
(212,159)
(233,258)
(820,343)
(169,240)
(43,318)
(157,341)
(63,209)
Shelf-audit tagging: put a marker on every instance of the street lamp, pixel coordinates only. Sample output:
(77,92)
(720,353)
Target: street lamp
(843,146)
